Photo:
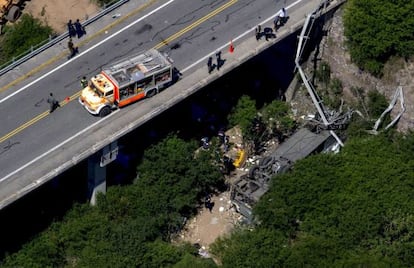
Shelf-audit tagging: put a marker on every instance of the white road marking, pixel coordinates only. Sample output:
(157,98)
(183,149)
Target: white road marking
(235,39)
(86,51)
(57,146)
(106,39)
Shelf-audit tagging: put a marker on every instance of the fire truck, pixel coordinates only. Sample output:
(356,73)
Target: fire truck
(127,81)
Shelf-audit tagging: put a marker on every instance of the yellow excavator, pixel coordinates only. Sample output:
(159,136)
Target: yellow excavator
(10,10)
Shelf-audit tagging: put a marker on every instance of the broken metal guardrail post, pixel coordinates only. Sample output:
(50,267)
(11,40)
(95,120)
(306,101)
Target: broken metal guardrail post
(397,95)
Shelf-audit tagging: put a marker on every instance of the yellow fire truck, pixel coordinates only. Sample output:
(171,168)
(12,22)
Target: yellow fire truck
(127,81)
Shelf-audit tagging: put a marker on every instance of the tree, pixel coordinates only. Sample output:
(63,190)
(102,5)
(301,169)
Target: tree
(131,225)
(20,37)
(243,114)
(278,118)
(347,209)
(377,30)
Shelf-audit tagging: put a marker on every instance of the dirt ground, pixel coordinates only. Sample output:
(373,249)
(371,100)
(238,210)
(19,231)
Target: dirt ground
(57,13)
(207,226)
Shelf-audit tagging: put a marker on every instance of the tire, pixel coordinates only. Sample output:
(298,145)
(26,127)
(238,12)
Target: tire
(104,111)
(253,172)
(13,14)
(151,93)
(266,161)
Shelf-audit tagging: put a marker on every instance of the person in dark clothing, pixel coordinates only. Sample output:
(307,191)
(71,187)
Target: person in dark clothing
(219,61)
(208,204)
(52,102)
(79,29)
(72,49)
(258,32)
(210,64)
(71,29)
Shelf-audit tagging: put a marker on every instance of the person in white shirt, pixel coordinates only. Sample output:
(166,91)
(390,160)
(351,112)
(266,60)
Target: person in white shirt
(280,19)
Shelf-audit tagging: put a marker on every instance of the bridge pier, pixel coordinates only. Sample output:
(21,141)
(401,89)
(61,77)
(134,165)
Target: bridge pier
(97,170)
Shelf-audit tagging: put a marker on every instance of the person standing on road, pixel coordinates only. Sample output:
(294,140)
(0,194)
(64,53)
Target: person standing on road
(52,102)
(72,49)
(258,32)
(84,82)
(79,29)
(210,64)
(219,60)
(280,19)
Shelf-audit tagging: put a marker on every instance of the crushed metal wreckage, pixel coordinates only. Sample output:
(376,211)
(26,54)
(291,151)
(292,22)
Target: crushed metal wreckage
(250,187)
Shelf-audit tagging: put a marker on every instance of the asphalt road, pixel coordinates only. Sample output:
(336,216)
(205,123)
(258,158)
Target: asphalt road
(188,31)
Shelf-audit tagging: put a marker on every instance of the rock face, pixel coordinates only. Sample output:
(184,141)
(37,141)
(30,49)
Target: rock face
(397,72)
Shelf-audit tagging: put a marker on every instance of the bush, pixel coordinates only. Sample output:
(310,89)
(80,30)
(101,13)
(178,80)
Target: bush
(243,114)
(377,30)
(19,37)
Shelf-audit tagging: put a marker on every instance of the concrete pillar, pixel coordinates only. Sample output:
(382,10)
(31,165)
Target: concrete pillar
(97,170)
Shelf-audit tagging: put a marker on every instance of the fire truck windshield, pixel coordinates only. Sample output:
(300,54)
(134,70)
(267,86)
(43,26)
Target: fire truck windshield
(96,89)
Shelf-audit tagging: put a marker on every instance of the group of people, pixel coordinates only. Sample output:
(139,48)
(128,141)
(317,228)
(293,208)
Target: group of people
(280,20)
(74,29)
(211,66)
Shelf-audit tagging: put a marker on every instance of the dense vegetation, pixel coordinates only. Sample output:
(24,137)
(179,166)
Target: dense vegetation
(19,37)
(377,30)
(354,208)
(131,225)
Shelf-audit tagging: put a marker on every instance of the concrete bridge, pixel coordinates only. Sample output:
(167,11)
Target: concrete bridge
(37,146)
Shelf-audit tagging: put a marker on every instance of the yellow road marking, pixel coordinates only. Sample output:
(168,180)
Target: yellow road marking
(195,24)
(36,119)
(80,44)
(63,103)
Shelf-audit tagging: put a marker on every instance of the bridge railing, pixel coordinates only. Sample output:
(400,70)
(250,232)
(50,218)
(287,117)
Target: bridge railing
(52,40)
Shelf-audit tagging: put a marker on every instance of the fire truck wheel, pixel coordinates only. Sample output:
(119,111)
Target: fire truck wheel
(104,111)
(151,93)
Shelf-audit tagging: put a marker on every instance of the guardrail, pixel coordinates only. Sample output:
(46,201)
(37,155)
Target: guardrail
(16,61)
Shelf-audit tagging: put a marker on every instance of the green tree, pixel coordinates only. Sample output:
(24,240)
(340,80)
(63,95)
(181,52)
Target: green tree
(260,248)
(378,29)
(131,225)
(243,114)
(351,208)
(19,37)
(277,117)
(377,103)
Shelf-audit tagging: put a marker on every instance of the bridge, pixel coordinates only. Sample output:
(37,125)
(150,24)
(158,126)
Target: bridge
(36,146)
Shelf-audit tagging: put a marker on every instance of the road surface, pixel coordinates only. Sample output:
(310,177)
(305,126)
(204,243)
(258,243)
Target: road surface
(34,142)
